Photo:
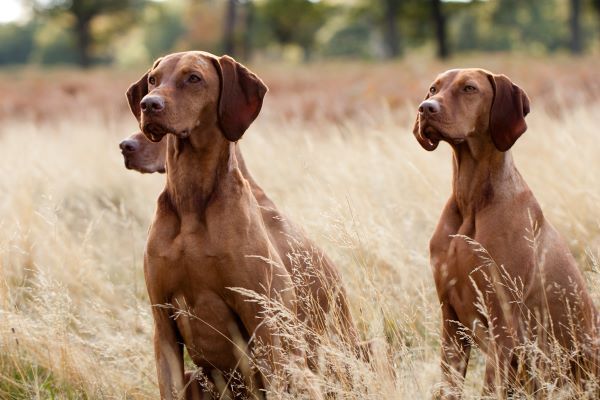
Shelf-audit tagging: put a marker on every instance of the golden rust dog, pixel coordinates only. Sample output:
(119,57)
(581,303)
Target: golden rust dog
(215,230)
(528,285)
(142,155)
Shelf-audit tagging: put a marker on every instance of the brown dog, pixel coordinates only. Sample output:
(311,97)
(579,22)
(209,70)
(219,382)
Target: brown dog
(142,155)
(526,285)
(215,230)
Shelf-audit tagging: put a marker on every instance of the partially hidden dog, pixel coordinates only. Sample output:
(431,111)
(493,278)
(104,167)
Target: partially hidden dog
(219,254)
(504,276)
(143,155)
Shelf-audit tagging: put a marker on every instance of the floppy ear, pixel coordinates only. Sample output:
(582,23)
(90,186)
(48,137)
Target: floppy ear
(241,97)
(507,115)
(426,143)
(135,93)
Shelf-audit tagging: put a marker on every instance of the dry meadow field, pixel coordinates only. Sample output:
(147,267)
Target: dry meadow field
(334,149)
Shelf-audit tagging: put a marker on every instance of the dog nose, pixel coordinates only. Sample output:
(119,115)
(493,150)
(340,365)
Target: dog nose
(128,146)
(429,107)
(152,104)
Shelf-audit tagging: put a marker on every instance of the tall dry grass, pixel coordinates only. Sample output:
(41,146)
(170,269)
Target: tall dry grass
(333,147)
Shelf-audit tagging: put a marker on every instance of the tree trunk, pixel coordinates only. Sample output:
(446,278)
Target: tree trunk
(596,4)
(307,53)
(249,30)
(84,40)
(575,24)
(228,36)
(440,29)
(390,29)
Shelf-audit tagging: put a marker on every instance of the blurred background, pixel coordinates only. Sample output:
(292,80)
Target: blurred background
(60,56)
(126,32)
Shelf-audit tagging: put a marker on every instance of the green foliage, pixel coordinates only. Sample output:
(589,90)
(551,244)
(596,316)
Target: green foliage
(295,21)
(27,380)
(84,9)
(54,43)
(413,19)
(16,43)
(531,24)
(467,32)
(92,31)
(415,22)
(513,25)
(83,14)
(508,25)
(167,28)
(353,40)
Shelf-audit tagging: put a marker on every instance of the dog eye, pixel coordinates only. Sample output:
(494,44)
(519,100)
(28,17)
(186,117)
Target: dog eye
(152,80)
(469,88)
(194,79)
(432,90)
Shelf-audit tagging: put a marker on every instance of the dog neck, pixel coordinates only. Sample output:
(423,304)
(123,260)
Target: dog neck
(482,174)
(195,167)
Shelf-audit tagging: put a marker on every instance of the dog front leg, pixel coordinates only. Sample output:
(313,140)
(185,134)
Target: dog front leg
(270,358)
(168,352)
(456,349)
(196,391)
(260,319)
(501,370)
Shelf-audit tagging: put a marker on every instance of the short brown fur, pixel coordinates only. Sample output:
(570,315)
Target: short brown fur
(215,229)
(481,115)
(142,155)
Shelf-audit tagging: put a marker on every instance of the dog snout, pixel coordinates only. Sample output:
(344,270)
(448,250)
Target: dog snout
(152,104)
(429,107)
(128,146)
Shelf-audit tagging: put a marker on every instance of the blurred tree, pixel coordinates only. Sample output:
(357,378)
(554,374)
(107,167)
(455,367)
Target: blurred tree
(440,29)
(295,21)
(353,39)
(391,34)
(54,42)
(166,28)
(17,43)
(229,27)
(238,36)
(83,12)
(575,25)
(408,23)
(467,25)
(247,44)
(528,25)
(88,31)
(203,21)
(596,6)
